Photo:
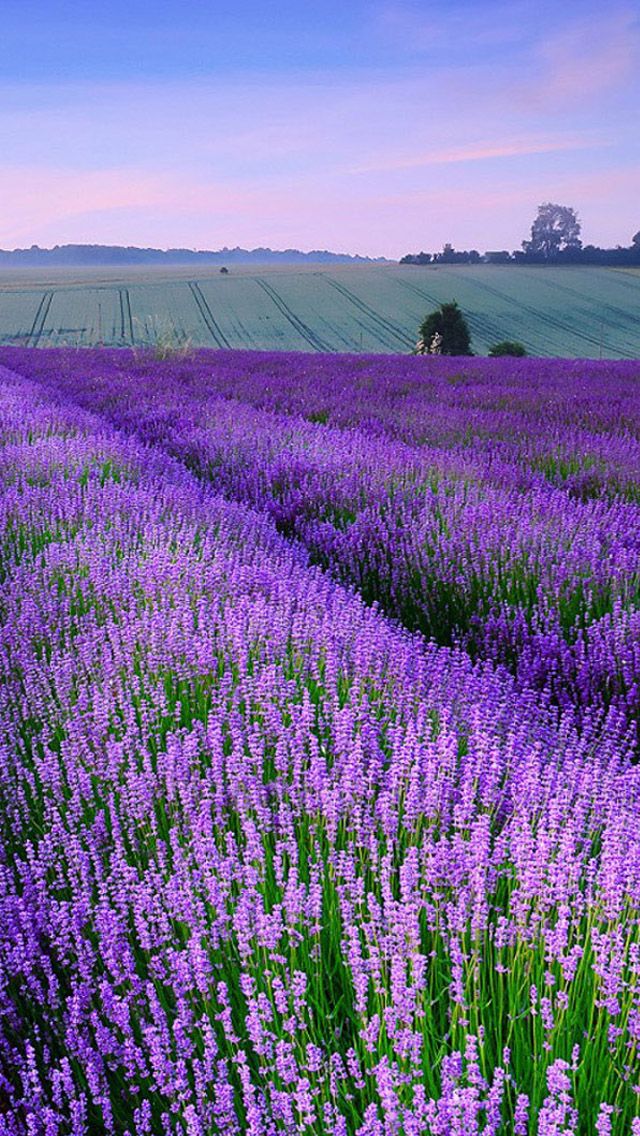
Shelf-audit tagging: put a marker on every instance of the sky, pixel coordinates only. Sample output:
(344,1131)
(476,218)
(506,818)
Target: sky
(369,127)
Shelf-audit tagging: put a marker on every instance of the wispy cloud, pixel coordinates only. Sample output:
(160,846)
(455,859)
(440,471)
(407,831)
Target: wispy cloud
(483,152)
(28,195)
(589,58)
(78,204)
(443,32)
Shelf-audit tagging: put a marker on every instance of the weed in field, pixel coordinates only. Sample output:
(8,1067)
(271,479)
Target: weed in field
(163,337)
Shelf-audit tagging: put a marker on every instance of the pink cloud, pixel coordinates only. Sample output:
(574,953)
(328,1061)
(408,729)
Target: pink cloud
(583,62)
(26,193)
(80,200)
(484,152)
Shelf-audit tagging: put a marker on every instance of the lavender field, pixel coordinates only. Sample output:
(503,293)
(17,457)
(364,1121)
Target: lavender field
(319,794)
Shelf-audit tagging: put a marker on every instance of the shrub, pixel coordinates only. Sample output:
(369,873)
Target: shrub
(449,324)
(508,347)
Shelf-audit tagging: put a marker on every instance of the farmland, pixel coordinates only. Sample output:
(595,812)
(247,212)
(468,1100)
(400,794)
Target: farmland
(570,312)
(319,792)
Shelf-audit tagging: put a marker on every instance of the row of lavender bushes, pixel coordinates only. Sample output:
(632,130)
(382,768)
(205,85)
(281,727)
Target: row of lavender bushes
(488,504)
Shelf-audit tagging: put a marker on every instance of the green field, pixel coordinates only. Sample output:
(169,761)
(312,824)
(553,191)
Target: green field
(572,312)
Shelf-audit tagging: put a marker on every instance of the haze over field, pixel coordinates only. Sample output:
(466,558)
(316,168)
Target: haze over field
(373,127)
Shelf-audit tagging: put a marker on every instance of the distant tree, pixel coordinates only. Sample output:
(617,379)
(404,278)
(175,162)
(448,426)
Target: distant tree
(449,324)
(635,240)
(224,271)
(416,258)
(450,255)
(555,229)
(508,347)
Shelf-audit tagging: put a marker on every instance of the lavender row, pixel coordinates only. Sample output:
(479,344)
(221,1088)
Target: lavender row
(523,573)
(529,423)
(269,864)
(533,423)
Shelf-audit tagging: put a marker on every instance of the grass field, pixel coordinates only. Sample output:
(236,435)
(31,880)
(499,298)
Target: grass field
(570,312)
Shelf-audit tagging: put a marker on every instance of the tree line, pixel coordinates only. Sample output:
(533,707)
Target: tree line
(555,239)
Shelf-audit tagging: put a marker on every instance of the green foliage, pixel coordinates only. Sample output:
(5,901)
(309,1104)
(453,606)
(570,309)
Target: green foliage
(508,347)
(449,324)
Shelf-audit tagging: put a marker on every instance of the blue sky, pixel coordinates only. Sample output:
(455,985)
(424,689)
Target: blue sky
(377,127)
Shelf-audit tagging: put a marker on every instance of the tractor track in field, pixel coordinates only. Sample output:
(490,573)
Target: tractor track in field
(39,320)
(367,322)
(126,319)
(478,322)
(302,328)
(542,317)
(629,277)
(392,330)
(364,326)
(210,321)
(476,319)
(611,309)
(418,291)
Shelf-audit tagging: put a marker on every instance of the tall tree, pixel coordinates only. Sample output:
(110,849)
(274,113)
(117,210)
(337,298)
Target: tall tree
(555,229)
